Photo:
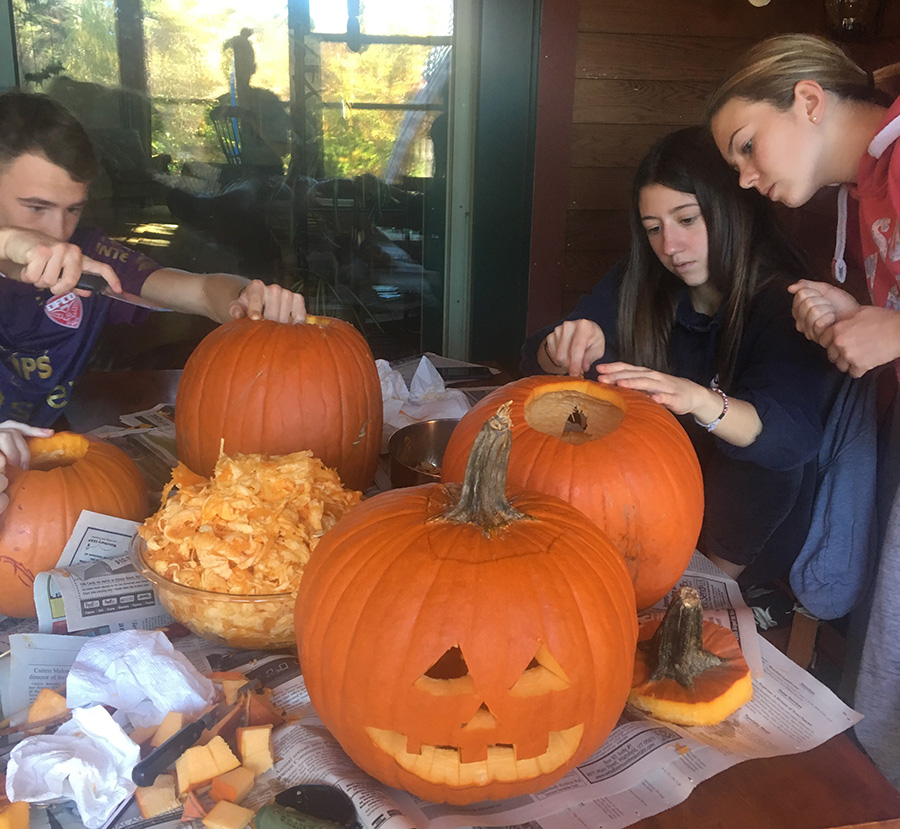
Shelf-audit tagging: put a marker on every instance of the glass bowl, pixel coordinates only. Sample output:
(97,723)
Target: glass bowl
(239,620)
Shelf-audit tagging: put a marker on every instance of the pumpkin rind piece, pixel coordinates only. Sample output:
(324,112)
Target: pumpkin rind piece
(689,670)
(496,655)
(69,473)
(615,454)
(268,388)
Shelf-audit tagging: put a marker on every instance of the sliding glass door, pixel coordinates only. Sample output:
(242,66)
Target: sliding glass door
(375,155)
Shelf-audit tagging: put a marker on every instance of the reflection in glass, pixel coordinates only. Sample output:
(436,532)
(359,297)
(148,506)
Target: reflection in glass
(300,142)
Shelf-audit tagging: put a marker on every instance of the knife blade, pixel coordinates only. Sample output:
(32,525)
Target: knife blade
(158,760)
(96,284)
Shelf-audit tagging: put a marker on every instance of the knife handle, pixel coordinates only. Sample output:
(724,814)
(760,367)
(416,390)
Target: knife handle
(92,282)
(148,769)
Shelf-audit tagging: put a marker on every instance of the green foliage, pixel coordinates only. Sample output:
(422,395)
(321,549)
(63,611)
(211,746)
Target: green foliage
(188,70)
(358,140)
(77,36)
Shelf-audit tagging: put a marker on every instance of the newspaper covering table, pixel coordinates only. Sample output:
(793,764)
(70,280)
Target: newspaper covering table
(148,438)
(643,768)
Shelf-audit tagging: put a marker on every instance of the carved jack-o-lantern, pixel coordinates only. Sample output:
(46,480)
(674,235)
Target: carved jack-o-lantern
(466,647)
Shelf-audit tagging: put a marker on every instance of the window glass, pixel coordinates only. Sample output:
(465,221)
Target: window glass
(73,38)
(303,144)
(382,17)
(197,53)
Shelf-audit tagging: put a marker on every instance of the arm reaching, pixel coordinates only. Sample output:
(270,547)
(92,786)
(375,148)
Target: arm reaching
(740,427)
(222,296)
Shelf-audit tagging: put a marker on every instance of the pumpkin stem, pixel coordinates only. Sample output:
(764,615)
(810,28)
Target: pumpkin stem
(678,641)
(483,499)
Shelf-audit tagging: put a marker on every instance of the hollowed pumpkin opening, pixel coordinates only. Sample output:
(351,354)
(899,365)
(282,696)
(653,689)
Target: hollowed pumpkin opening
(58,450)
(575,412)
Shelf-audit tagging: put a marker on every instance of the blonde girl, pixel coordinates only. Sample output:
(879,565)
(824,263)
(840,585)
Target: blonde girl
(795,115)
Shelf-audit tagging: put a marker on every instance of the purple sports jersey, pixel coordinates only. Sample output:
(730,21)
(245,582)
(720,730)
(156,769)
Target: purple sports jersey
(46,340)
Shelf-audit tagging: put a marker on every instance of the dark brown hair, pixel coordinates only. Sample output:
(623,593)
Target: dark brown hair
(746,247)
(37,124)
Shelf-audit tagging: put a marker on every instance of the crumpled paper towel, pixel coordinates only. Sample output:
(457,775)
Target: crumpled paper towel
(89,760)
(139,673)
(427,398)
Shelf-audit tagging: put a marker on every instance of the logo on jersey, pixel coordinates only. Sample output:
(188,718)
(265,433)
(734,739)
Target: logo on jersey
(65,310)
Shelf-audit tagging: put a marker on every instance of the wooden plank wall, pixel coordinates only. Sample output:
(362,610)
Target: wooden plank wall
(644,68)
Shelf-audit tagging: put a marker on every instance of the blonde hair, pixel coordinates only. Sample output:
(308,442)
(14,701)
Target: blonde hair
(770,70)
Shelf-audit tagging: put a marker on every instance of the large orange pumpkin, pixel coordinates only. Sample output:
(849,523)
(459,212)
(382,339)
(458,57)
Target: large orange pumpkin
(69,473)
(463,646)
(262,387)
(621,458)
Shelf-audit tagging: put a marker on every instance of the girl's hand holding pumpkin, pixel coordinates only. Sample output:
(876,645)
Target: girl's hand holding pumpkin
(675,393)
(572,347)
(272,302)
(14,451)
(685,397)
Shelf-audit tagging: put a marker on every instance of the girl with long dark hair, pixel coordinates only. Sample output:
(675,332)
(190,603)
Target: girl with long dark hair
(699,318)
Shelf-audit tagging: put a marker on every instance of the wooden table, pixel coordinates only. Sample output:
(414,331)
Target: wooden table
(834,785)
(830,786)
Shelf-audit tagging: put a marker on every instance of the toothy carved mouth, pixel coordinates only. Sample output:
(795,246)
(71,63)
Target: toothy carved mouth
(442,764)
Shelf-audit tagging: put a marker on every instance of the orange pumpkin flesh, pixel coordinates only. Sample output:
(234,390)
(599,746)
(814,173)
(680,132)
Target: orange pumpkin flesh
(467,646)
(261,387)
(689,670)
(613,453)
(69,473)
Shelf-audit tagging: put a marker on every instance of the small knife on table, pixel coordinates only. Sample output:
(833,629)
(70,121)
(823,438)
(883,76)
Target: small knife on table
(158,760)
(96,284)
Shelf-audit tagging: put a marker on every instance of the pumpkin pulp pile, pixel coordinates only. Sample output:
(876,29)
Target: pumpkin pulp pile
(246,533)
(689,670)
(467,644)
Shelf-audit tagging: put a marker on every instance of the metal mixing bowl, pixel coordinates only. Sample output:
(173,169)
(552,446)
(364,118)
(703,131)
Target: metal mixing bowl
(417,451)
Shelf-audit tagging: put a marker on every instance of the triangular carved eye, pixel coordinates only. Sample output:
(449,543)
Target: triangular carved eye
(542,675)
(449,675)
(451,665)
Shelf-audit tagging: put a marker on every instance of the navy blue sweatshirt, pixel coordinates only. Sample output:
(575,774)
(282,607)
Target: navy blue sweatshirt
(787,378)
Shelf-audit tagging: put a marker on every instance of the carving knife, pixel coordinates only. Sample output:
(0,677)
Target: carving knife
(96,284)
(158,760)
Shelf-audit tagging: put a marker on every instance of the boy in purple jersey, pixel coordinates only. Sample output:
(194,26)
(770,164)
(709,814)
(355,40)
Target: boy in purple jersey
(47,329)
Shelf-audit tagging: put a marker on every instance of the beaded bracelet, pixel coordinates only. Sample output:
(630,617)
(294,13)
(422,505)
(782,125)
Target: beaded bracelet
(710,427)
